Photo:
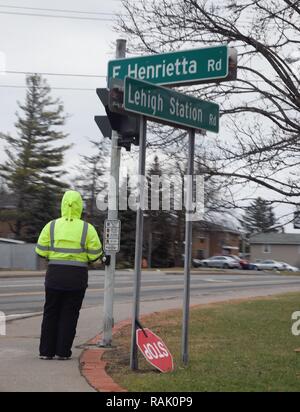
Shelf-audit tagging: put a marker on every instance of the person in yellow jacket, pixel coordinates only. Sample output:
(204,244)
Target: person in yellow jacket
(69,244)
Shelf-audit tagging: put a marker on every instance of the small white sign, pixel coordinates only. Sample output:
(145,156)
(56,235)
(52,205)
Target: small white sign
(112,231)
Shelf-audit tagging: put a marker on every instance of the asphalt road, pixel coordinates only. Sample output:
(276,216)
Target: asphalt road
(26,295)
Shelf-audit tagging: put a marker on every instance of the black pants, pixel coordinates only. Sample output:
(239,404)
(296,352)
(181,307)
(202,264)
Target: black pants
(61,313)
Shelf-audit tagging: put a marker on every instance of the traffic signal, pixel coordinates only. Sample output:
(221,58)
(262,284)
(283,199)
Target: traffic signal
(104,125)
(232,64)
(126,126)
(116,95)
(297,219)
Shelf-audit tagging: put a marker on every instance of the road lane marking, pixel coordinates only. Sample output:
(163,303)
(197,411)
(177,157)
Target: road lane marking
(271,283)
(218,280)
(126,289)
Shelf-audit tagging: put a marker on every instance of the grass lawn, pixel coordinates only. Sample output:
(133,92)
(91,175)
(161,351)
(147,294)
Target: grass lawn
(234,346)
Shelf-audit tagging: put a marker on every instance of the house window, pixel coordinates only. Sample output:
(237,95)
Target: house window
(200,254)
(266,248)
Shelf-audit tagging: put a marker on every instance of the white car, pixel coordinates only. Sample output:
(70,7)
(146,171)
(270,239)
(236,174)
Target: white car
(289,268)
(268,265)
(224,262)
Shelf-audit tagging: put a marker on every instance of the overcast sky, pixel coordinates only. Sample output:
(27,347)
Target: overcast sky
(60,45)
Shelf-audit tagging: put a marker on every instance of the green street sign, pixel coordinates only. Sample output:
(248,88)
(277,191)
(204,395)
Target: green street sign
(178,68)
(169,107)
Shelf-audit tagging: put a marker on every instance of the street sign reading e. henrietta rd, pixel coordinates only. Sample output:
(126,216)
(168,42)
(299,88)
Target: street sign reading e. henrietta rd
(170,107)
(178,68)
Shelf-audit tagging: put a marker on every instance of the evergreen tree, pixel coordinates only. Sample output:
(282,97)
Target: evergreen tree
(177,217)
(3,191)
(33,168)
(259,217)
(158,234)
(128,225)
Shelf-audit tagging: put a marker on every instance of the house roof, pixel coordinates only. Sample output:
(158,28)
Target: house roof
(212,227)
(275,238)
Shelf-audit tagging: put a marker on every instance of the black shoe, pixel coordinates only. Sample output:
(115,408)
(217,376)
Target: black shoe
(46,357)
(63,357)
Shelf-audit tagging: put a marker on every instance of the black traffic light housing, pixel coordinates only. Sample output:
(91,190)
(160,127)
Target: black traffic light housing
(104,125)
(297,219)
(232,64)
(126,126)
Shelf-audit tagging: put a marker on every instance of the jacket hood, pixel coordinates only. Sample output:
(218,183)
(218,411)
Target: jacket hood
(71,205)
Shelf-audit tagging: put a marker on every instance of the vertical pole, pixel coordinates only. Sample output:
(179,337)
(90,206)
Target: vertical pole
(138,243)
(188,249)
(113,205)
(243,246)
(150,250)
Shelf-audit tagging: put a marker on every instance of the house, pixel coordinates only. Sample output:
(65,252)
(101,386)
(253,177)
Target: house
(283,247)
(211,239)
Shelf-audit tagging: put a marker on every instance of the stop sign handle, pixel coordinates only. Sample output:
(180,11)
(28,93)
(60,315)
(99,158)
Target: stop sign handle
(139,325)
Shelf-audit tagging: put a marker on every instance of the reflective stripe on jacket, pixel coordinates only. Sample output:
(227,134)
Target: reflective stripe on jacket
(69,240)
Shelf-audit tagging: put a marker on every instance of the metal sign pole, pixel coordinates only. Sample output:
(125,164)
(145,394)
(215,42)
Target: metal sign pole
(138,243)
(188,249)
(108,319)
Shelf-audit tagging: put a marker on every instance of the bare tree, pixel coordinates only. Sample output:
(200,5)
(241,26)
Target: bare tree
(259,140)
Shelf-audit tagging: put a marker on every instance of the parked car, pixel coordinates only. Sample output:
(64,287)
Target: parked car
(289,268)
(197,263)
(268,265)
(224,262)
(244,263)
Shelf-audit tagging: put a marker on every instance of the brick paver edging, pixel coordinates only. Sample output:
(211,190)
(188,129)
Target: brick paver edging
(92,366)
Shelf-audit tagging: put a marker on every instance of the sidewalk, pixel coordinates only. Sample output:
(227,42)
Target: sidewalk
(22,371)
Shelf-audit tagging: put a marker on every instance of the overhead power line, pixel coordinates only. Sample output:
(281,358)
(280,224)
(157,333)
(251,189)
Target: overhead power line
(57,10)
(13,86)
(54,16)
(55,74)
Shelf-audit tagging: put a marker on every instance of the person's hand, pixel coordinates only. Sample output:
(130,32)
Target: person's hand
(106,260)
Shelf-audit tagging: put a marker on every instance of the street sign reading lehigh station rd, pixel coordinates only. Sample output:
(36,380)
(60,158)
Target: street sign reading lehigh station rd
(178,68)
(170,107)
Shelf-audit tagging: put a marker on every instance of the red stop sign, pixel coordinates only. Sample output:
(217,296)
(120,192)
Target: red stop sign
(154,350)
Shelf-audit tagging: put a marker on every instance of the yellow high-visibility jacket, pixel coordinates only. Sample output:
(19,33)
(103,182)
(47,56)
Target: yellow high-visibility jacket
(69,240)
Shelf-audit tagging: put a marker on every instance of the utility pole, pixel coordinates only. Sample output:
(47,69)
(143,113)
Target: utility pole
(188,250)
(138,243)
(113,206)
(150,249)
